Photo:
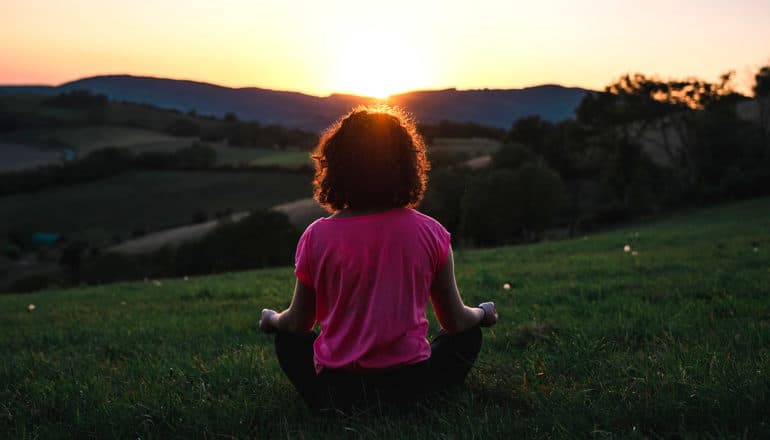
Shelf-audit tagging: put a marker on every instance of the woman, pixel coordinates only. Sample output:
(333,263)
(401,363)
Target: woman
(366,272)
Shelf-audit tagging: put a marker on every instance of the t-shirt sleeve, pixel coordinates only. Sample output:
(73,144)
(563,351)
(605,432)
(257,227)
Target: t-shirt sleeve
(302,259)
(442,243)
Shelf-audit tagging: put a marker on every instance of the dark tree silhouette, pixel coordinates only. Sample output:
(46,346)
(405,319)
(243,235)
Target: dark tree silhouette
(762,95)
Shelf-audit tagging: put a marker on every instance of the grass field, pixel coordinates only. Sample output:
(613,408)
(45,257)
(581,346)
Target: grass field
(21,149)
(592,342)
(473,146)
(284,159)
(146,199)
(87,139)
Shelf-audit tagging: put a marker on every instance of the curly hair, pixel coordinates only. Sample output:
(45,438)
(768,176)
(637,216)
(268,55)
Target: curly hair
(370,158)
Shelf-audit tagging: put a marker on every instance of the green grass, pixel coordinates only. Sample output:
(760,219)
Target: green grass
(146,199)
(87,139)
(591,342)
(120,128)
(284,159)
(473,146)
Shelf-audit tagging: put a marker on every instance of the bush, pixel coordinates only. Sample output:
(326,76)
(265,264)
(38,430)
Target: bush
(12,251)
(77,99)
(264,238)
(441,158)
(196,156)
(183,127)
(507,206)
(33,282)
(512,156)
(110,267)
(443,199)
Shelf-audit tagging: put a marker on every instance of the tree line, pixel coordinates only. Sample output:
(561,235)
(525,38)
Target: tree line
(104,163)
(641,146)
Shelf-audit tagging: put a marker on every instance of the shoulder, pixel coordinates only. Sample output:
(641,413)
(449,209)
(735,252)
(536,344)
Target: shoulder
(315,225)
(425,220)
(311,229)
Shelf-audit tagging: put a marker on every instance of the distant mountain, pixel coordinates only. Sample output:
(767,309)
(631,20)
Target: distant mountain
(28,90)
(489,107)
(497,108)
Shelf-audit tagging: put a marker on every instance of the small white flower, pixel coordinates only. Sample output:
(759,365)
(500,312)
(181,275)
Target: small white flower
(186,278)
(507,286)
(157,283)
(31,308)
(756,249)
(635,253)
(627,248)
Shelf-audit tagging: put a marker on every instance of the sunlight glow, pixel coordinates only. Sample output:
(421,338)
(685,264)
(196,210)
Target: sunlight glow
(377,64)
(381,48)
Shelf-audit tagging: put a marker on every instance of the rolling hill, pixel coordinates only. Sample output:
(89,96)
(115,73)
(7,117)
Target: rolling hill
(489,107)
(592,342)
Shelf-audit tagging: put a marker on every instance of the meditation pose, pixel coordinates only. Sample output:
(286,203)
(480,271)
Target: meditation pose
(366,273)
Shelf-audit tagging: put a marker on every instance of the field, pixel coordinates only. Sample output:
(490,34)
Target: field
(136,127)
(28,149)
(672,342)
(18,156)
(473,146)
(120,204)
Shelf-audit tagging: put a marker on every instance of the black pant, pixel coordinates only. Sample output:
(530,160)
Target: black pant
(452,356)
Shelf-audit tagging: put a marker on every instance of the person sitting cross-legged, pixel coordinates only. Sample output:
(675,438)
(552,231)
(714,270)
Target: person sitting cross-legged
(367,272)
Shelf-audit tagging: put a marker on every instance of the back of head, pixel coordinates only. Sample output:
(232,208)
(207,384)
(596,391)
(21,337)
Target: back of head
(372,157)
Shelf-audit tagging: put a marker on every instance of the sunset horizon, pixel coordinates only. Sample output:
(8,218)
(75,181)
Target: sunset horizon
(254,86)
(349,48)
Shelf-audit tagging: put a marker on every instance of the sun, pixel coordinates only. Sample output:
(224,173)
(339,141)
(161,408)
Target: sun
(377,64)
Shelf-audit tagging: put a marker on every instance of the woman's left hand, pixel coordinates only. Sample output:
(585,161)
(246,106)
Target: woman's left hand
(490,314)
(267,322)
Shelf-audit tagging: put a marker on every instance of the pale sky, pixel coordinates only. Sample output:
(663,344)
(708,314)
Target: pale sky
(321,47)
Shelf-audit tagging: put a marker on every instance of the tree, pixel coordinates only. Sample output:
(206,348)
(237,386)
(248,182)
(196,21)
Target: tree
(636,104)
(264,238)
(512,156)
(196,156)
(507,206)
(531,131)
(443,199)
(762,95)
(183,127)
(80,99)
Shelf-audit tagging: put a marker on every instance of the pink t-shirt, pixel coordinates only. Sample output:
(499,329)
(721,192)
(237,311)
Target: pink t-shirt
(372,276)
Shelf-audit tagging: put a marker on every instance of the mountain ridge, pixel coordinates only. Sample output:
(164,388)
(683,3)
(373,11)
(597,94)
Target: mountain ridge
(494,107)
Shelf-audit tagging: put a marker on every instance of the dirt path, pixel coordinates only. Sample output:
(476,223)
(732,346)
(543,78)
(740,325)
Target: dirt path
(171,237)
(300,212)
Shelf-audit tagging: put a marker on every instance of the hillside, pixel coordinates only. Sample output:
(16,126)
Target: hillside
(670,342)
(497,108)
(145,201)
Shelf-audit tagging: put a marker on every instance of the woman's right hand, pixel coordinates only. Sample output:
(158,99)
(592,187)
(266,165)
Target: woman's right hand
(267,321)
(490,314)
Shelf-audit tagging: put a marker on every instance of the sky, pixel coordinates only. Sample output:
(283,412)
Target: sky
(383,47)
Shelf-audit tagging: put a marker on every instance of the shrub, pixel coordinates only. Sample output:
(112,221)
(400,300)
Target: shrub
(264,238)
(443,198)
(196,156)
(12,251)
(33,282)
(512,156)
(507,206)
(183,127)
(77,99)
